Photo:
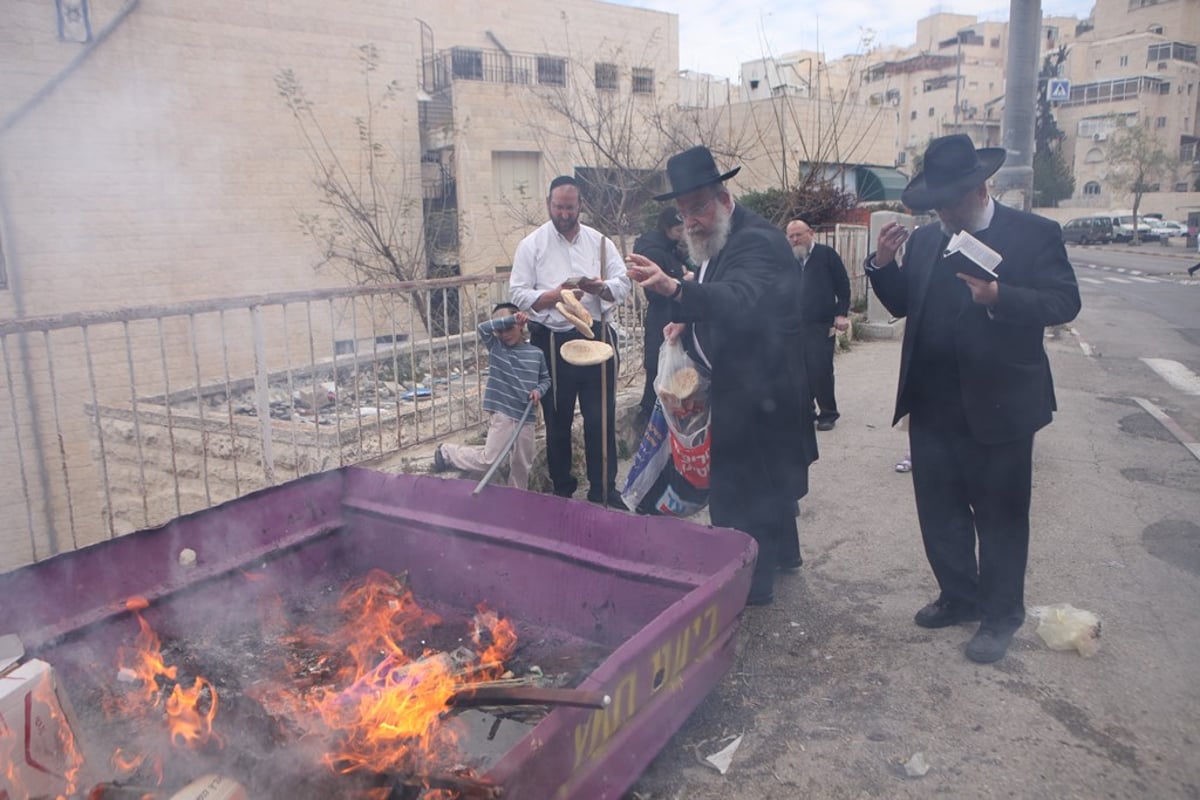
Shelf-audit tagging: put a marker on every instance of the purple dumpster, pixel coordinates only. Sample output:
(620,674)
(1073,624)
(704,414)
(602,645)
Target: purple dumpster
(640,609)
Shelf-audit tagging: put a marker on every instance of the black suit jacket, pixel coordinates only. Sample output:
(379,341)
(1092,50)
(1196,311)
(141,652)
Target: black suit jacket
(1006,388)
(824,286)
(745,317)
(658,247)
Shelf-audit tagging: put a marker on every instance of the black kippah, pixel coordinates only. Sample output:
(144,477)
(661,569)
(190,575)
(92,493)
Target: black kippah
(562,180)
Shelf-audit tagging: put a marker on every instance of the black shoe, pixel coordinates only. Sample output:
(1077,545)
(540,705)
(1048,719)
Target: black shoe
(825,424)
(439,461)
(764,599)
(614,500)
(989,644)
(943,613)
(790,566)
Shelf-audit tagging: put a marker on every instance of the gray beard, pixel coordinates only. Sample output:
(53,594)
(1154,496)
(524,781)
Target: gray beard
(800,253)
(974,222)
(702,250)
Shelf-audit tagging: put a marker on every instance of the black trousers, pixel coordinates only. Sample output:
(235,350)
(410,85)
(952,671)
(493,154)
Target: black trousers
(967,491)
(569,384)
(653,345)
(818,361)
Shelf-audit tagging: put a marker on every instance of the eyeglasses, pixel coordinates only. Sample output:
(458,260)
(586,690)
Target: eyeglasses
(696,211)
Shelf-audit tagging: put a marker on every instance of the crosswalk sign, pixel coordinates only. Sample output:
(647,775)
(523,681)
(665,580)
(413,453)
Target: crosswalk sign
(1059,90)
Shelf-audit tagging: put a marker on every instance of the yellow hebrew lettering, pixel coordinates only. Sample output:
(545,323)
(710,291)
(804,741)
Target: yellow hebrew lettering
(711,614)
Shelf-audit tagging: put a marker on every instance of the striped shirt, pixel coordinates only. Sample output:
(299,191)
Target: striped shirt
(513,372)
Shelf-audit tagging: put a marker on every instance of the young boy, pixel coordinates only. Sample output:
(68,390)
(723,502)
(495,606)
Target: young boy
(516,374)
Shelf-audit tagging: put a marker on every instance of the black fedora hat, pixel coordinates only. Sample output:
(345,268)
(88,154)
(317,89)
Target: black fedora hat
(692,169)
(952,167)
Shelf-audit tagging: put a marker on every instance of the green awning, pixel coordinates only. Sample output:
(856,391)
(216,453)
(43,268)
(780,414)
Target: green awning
(878,184)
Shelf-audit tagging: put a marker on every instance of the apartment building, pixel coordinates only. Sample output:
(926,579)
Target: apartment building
(1134,63)
(951,80)
(148,160)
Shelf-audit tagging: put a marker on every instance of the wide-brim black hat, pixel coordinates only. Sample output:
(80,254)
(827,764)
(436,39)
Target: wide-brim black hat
(691,170)
(952,167)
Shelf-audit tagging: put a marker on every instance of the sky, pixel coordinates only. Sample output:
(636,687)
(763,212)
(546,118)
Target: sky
(716,36)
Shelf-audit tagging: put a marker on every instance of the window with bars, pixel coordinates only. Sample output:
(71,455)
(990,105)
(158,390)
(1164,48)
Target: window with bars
(643,80)
(551,71)
(607,76)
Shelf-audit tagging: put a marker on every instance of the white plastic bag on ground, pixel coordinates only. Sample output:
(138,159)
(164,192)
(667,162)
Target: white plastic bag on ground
(1062,626)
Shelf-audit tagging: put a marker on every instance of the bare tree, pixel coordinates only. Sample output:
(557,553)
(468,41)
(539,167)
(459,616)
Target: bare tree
(1137,160)
(369,226)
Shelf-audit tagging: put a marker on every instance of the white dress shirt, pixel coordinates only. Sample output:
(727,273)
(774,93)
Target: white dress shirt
(546,258)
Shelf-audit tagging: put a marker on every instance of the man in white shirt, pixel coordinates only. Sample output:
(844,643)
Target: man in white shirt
(564,255)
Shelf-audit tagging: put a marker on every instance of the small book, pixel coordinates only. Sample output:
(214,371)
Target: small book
(981,260)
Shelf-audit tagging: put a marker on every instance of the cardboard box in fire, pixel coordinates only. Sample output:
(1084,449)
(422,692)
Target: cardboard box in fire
(40,755)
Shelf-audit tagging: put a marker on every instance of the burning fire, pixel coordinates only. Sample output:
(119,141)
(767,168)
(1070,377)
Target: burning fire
(386,712)
(189,711)
(372,688)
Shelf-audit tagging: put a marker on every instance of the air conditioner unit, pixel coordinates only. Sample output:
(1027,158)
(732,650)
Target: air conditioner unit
(1099,137)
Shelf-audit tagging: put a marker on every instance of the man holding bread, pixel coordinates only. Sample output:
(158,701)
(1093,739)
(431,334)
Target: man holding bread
(567,277)
(739,320)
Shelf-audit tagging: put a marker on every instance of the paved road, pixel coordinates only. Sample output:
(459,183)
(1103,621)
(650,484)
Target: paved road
(834,688)
(1147,259)
(1141,327)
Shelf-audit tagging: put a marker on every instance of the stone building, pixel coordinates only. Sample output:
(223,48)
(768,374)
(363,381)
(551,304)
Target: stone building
(1134,63)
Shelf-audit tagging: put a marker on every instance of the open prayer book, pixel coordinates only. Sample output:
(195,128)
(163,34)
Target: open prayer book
(981,260)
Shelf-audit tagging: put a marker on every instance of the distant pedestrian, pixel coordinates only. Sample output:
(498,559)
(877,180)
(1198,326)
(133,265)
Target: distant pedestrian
(517,374)
(975,382)
(662,246)
(824,313)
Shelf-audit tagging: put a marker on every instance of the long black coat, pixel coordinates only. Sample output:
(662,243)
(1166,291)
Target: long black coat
(659,248)
(745,315)
(1006,388)
(824,286)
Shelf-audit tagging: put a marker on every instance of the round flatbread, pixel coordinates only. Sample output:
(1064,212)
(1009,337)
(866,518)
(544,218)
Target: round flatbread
(584,353)
(583,327)
(685,383)
(577,307)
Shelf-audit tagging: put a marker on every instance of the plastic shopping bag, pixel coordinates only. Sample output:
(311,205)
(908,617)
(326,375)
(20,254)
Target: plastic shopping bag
(670,471)
(1063,627)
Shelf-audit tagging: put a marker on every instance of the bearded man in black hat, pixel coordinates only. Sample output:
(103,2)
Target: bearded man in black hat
(739,320)
(975,382)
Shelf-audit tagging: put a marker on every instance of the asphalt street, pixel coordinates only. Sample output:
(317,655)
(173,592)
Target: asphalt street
(835,688)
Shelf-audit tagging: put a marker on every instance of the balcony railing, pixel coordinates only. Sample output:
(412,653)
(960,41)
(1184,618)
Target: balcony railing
(123,419)
(491,66)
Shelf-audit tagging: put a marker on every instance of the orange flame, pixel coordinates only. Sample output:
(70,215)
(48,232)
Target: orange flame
(387,714)
(372,685)
(143,664)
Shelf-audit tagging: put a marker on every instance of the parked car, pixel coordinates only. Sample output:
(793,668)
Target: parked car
(1088,230)
(1169,227)
(1124,230)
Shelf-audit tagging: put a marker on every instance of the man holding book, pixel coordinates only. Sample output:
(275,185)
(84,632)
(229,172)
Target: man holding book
(978,290)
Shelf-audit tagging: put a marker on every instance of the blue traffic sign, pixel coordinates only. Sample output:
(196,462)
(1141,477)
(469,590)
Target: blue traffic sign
(1059,90)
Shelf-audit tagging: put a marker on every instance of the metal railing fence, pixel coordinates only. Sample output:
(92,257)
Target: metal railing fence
(120,420)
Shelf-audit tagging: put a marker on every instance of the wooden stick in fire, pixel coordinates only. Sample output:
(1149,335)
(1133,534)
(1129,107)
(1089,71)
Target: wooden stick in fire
(466,788)
(527,696)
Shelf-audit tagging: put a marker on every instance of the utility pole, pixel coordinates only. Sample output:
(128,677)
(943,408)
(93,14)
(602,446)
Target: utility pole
(957,80)
(1020,103)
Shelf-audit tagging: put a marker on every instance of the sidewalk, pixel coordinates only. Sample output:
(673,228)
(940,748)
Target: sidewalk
(834,688)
